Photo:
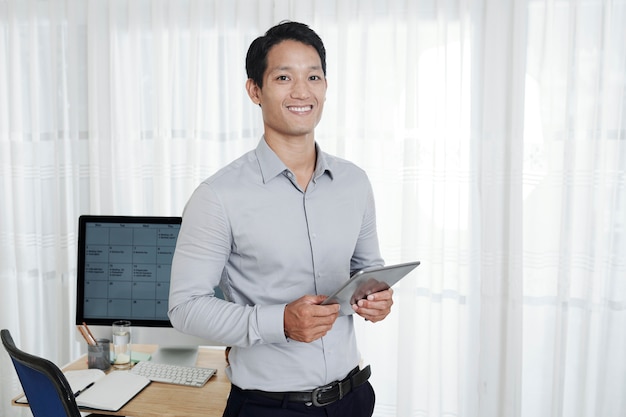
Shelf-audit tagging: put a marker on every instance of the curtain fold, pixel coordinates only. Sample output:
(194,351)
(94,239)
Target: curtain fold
(498,117)
(493,133)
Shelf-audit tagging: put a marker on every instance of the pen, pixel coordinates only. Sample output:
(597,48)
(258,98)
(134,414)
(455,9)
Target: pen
(77,393)
(90,334)
(85,335)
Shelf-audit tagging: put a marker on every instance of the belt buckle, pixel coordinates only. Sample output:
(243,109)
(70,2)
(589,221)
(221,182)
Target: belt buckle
(322,390)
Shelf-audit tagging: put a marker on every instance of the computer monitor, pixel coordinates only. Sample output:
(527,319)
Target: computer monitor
(123,273)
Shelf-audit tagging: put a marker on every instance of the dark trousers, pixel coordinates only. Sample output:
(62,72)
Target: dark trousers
(357,403)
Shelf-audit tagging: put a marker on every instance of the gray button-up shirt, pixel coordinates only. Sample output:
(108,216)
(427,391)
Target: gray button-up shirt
(251,229)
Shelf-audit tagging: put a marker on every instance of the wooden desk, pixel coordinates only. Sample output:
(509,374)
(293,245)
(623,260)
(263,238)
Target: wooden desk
(168,400)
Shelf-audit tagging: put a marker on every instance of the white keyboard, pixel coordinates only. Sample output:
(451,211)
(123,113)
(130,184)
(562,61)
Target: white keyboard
(173,374)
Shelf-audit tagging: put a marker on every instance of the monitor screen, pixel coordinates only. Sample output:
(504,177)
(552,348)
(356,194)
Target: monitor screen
(124,268)
(124,265)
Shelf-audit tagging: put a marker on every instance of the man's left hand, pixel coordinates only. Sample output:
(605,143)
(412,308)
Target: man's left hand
(376,306)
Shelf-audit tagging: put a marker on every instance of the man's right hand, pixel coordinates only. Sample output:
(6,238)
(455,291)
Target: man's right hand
(305,320)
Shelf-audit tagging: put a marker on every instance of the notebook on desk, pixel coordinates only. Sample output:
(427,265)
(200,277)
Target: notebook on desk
(96,390)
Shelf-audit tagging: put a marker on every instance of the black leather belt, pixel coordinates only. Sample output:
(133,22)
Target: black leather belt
(324,395)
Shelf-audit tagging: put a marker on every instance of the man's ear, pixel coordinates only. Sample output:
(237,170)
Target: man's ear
(253,91)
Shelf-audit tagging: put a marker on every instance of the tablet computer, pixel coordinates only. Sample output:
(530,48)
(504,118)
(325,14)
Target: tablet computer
(368,281)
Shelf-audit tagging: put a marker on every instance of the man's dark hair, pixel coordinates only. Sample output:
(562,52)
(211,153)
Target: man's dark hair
(256,59)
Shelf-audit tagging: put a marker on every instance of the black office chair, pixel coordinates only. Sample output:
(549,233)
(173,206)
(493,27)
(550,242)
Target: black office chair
(48,392)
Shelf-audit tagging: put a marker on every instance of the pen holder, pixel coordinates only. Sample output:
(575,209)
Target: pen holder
(99,356)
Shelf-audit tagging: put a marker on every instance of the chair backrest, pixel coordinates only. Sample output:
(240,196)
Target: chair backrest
(46,388)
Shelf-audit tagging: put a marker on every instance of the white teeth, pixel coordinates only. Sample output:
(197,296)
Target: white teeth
(300,109)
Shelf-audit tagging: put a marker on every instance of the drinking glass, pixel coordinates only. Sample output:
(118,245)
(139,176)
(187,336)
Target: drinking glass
(121,344)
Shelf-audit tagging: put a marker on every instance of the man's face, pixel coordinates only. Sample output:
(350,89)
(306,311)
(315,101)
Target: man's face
(294,90)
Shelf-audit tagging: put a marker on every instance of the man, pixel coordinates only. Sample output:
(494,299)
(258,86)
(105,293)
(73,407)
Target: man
(279,229)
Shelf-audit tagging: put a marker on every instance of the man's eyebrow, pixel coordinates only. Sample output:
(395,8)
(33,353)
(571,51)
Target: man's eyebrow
(287,68)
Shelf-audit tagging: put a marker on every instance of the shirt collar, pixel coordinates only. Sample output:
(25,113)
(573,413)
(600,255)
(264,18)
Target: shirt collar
(271,166)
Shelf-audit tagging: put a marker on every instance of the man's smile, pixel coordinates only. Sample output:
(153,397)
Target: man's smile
(300,109)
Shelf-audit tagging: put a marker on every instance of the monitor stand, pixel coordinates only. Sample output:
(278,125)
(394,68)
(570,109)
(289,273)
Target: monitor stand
(176,355)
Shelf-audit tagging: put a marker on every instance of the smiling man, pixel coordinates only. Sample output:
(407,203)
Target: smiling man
(279,229)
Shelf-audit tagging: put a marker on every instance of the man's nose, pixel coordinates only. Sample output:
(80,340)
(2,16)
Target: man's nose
(300,89)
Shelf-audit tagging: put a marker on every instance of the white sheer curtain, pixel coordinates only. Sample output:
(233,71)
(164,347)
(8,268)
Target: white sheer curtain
(493,132)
